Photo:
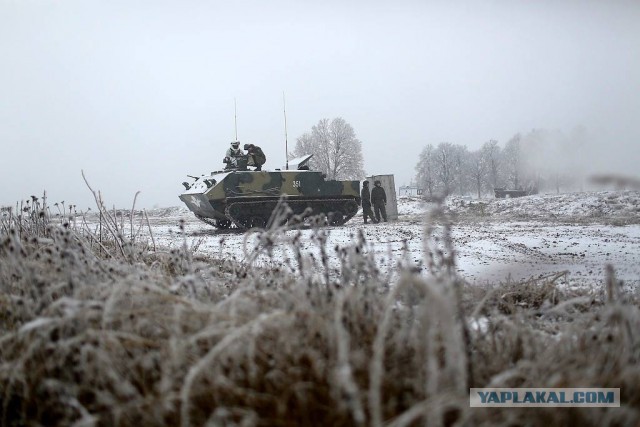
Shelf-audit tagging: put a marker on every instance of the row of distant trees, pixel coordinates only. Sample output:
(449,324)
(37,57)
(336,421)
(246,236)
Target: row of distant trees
(541,159)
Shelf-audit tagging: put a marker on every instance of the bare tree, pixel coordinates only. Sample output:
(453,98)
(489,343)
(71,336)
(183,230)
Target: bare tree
(514,163)
(444,169)
(425,175)
(461,164)
(445,166)
(304,145)
(336,150)
(492,153)
(478,169)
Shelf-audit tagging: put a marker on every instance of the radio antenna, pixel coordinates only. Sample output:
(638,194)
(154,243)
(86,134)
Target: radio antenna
(235,117)
(286,141)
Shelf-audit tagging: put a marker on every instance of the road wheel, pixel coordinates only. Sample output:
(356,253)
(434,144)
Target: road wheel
(223,224)
(336,218)
(257,222)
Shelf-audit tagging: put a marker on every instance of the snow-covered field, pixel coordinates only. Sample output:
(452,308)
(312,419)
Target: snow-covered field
(495,240)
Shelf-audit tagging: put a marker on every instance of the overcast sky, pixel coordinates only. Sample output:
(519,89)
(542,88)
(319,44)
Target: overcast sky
(138,94)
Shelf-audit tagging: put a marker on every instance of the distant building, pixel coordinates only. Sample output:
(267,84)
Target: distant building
(409,191)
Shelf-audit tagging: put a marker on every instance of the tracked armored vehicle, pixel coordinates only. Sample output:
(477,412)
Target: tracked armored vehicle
(503,193)
(246,199)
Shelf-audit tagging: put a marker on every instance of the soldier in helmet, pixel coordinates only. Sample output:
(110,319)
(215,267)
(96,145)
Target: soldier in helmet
(379,200)
(365,195)
(256,156)
(231,157)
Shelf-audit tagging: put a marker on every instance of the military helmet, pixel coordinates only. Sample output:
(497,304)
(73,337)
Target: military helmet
(365,182)
(235,144)
(376,182)
(247,146)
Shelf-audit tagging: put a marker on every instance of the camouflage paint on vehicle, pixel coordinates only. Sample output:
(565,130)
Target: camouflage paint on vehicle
(247,198)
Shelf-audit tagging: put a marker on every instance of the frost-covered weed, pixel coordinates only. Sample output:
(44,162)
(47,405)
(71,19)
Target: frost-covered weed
(105,330)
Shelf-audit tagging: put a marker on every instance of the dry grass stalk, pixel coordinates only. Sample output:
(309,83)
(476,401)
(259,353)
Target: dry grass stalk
(116,334)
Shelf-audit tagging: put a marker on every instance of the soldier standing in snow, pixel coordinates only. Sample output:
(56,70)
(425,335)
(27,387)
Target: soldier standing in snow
(365,195)
(379,200)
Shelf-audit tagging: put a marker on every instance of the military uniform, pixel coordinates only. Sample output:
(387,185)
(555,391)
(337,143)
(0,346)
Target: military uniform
(365,195)
(232,154)
(379,200)
(256,156)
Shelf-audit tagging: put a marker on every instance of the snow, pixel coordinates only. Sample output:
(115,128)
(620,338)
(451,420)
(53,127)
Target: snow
(36,323)
(200,184)
(495,240)
(533,249)
(571,206)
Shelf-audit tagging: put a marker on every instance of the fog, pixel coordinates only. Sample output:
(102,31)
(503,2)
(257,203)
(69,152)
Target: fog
(138,94)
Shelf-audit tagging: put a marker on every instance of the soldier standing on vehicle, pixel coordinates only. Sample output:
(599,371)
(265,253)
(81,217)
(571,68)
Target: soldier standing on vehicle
(365,195)
(256,156)
(231,157)
(379,200)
